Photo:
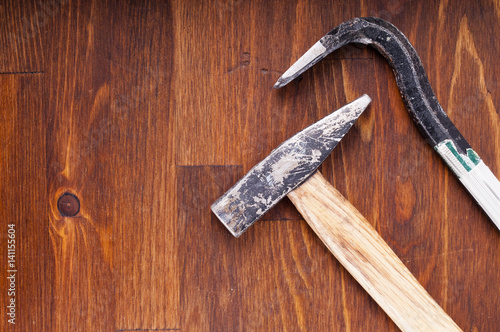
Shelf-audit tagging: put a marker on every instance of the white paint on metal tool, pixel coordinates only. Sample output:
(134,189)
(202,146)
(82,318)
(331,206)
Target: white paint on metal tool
(459,163)
(475,176)
(282,169)
(317,50)
(485,188)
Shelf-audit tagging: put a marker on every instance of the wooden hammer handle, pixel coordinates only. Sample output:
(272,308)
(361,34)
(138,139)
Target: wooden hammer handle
(368,258)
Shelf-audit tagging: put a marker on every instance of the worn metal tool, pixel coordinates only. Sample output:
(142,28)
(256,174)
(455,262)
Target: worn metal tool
(290,170)
(419,99)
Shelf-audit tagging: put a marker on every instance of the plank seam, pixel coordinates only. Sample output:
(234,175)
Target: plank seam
(22,72)
(126,330)
(201,166)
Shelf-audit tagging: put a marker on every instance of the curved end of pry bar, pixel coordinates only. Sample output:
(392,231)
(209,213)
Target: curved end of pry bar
(410,75)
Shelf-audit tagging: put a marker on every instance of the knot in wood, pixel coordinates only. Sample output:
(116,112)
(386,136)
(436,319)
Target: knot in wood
(68,205)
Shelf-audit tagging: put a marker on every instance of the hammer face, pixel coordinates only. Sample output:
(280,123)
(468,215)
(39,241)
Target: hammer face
(286,168)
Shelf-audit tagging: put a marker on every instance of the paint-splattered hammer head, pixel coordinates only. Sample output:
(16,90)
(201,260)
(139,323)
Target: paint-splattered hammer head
(286,168)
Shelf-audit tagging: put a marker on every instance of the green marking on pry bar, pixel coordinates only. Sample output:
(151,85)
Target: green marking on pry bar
(457,155)
(473,156)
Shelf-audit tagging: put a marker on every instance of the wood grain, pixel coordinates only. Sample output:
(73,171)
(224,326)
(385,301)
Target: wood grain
(149,110)
(142,124)
(77,153)
(21,34)
(23,202)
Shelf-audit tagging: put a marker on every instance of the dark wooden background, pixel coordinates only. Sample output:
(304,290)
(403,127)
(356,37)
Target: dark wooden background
(149,110)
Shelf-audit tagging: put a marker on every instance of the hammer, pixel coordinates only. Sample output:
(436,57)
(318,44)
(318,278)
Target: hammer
(291,170)
(419,99)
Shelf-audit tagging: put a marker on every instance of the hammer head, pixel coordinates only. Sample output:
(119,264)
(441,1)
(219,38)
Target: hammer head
(286,168)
